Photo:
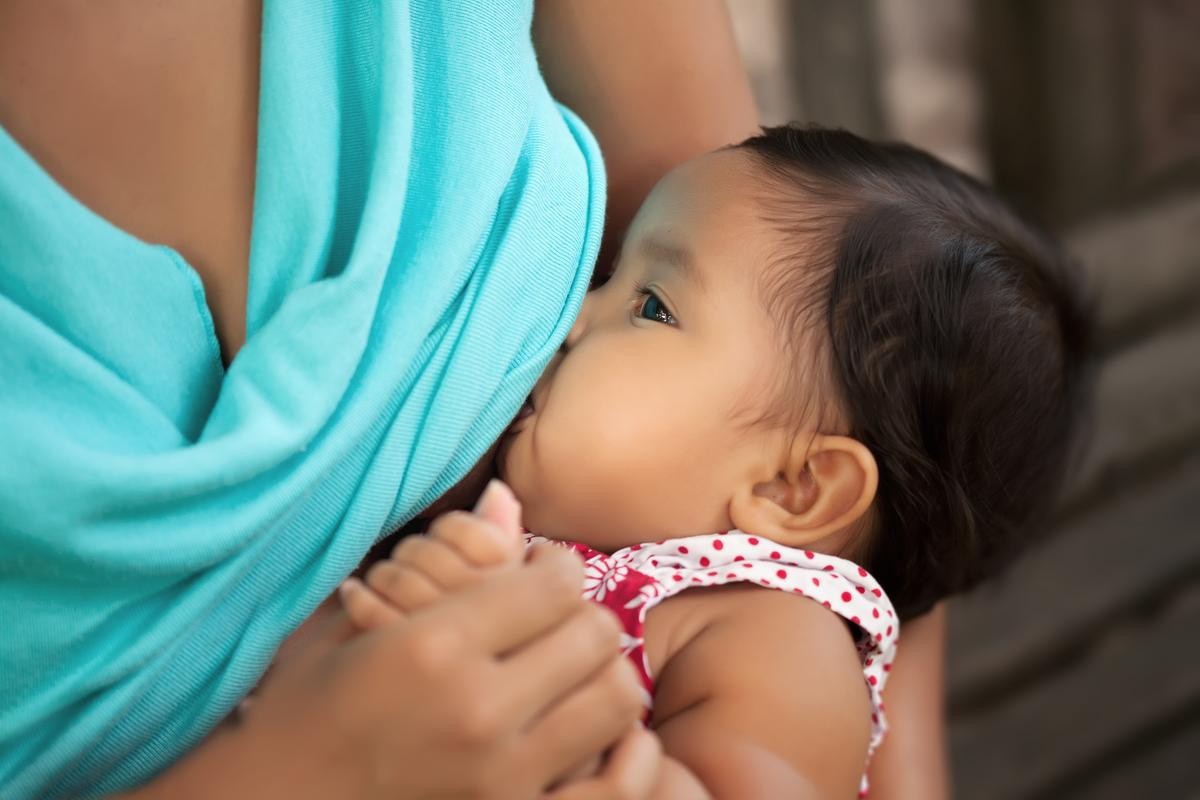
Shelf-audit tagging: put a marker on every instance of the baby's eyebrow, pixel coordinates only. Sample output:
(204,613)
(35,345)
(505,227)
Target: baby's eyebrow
(676,256)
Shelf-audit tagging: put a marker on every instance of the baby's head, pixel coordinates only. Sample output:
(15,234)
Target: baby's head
(839,345)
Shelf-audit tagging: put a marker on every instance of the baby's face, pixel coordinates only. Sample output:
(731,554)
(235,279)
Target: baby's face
(635,431)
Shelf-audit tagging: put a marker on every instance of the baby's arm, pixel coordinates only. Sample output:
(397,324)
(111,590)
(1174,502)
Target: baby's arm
(766,700)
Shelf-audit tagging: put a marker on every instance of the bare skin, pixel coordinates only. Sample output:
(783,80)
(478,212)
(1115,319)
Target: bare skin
(156,135)
(147,113)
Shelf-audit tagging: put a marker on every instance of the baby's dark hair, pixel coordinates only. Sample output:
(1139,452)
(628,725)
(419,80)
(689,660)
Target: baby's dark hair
(956,337)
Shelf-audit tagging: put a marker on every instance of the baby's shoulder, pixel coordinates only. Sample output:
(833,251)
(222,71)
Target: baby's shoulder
(728,638)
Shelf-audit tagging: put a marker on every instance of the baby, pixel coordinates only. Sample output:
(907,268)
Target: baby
(835,369)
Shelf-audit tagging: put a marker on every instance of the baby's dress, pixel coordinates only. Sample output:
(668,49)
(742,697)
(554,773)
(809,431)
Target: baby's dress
(633,580)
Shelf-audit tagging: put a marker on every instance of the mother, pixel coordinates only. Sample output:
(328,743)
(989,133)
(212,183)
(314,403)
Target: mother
(380,212)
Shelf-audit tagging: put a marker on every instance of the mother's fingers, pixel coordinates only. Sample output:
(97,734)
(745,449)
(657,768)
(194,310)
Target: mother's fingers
(553,666)
(609,703)
(630,773)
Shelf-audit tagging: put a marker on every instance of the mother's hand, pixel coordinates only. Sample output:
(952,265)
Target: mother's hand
(492,692)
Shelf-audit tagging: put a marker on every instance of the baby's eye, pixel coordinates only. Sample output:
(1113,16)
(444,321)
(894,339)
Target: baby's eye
(653,309)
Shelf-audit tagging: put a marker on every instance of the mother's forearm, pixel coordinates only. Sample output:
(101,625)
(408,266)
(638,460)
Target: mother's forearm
(658,83)
(912,761)
(233,762)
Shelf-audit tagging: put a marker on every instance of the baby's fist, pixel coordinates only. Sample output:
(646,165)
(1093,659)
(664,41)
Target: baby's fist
(458,551)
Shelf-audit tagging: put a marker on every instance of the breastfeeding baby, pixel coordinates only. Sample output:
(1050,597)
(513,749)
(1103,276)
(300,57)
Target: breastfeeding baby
(829,383)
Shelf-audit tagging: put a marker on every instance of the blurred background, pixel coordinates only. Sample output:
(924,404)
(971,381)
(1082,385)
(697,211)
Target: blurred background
(1078,674)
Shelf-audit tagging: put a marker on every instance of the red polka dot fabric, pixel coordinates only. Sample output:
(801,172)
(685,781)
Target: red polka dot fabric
(633,580)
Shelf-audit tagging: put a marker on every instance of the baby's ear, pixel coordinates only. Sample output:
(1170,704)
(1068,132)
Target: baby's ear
(820,487)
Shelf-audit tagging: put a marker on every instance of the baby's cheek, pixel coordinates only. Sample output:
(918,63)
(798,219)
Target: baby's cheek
(610,497)
(572,483)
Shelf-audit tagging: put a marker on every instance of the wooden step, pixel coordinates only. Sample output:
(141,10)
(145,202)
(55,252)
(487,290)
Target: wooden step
(1156,767)
(1119,556)
(1145,264)
(1141,679)
(1147,409)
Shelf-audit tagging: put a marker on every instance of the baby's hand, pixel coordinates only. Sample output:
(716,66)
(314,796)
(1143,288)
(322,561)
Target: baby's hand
(458,551)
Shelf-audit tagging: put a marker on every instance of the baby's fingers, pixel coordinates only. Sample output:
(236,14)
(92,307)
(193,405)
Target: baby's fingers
(406,585)
(365,608)
(499,506)
(479,542)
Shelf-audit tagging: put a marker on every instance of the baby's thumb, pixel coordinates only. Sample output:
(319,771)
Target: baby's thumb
(500,506)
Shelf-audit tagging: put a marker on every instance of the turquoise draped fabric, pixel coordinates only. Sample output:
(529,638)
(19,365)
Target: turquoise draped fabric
(425,223)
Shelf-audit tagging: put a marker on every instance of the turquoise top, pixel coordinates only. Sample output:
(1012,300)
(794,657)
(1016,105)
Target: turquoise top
(425,223)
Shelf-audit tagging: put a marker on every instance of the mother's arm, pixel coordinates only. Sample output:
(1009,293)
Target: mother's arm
(657,82)
(912,760)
